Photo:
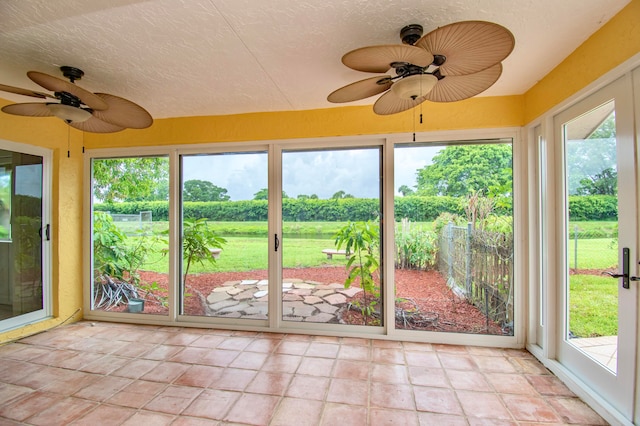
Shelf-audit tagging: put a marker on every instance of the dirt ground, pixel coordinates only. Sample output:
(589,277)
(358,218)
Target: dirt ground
(423,300)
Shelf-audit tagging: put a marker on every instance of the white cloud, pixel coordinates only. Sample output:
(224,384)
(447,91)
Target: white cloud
(320,172)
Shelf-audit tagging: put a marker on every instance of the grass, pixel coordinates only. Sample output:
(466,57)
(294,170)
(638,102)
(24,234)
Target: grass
(593,229)
(247,245)
(316,229)
(593,299)
(598,253)
(247,254)
(593,306)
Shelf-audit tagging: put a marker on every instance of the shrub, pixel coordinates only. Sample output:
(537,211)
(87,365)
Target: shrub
(116,261)
(362,241)
(415,248)
(415,208)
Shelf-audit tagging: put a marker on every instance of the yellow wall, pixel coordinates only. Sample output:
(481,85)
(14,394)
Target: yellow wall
(66,214)
(486,112)
(617,41)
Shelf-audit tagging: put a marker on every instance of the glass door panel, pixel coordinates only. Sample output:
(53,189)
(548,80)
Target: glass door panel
(454,237)
(592,240)
(331,240)
(21,234)
(597,333)
(224,205)
(130,223)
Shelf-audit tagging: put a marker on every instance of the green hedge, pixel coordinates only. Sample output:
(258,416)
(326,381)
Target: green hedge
(416,209)
(593,207)
(425,209)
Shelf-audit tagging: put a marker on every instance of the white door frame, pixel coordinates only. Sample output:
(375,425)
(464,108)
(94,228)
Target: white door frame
(618,388)
(47,309)
(545,347)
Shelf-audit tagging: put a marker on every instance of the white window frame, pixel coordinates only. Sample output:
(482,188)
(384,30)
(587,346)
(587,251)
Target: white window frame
(275,147)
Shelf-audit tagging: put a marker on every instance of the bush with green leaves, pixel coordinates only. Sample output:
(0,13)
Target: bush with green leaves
(117,260)
(361,242)
(197,241)
(415,248)
(593,207)
(415,208)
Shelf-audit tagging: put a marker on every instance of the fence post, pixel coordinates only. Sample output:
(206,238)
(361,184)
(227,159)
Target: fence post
(467,253)
(575,247)
(449,249)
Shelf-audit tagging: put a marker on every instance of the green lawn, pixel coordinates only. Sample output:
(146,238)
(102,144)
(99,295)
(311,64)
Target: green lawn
(597,253)
(593,229)
(247,245)
(247,254)
(593,299)
(593,306)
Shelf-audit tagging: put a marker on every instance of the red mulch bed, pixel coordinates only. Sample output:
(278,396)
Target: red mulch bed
(424,294)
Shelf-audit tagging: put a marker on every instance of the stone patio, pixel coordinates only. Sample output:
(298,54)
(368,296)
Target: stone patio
(302,300)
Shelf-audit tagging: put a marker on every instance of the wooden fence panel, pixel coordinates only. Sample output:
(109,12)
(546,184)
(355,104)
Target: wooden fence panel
(478,266)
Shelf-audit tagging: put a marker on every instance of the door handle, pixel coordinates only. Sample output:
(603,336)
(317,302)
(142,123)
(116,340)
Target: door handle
(276,242)
(625,270)
(47,232)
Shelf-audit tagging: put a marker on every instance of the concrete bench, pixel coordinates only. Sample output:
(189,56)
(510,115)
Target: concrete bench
(215,252)
(333,252)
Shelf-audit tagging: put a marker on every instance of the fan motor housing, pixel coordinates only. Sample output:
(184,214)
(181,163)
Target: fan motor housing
(411,34)
(71,73)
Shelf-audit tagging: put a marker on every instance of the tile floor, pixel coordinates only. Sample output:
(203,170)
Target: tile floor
(120,374)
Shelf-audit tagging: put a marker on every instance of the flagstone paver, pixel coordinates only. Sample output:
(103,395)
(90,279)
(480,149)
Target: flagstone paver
(302,300)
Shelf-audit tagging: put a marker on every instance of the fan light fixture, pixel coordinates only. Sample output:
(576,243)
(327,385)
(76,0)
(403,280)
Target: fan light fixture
(449,64)
(79,108)
(69,113)
(414,86)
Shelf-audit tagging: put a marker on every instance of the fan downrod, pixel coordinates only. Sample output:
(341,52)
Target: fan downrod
(71,73)
(410,34)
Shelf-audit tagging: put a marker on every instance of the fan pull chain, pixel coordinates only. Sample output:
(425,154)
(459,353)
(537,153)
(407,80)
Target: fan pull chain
(414,126)
(83,142)
(68,141)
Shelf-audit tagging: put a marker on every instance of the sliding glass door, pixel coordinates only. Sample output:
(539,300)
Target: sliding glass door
(24,234)
(224,235)
(454,254)
(331,239)
(130,224)
(288,236)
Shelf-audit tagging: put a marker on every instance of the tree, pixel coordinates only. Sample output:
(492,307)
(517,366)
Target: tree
(591,157)
(263,194)
(129,179)
(340,195)
(361,241)
(203,190)
(460,170)
(606,129)
(603,183)
(405,190)
(197,241)
(307,197)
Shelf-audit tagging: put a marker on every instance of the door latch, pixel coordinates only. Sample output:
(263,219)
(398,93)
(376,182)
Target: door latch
(626,279)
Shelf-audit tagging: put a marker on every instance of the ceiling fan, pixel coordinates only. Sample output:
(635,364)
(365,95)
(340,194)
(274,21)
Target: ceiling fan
(84,110)
(451,63)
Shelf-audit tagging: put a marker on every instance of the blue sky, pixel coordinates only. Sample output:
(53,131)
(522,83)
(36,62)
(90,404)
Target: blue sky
(323,173)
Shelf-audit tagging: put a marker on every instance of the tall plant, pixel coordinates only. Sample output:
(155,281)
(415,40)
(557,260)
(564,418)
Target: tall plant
(197,240)
(117,260)
(361,241)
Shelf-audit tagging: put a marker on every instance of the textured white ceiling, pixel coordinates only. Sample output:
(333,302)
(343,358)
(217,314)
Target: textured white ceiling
(214,57)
